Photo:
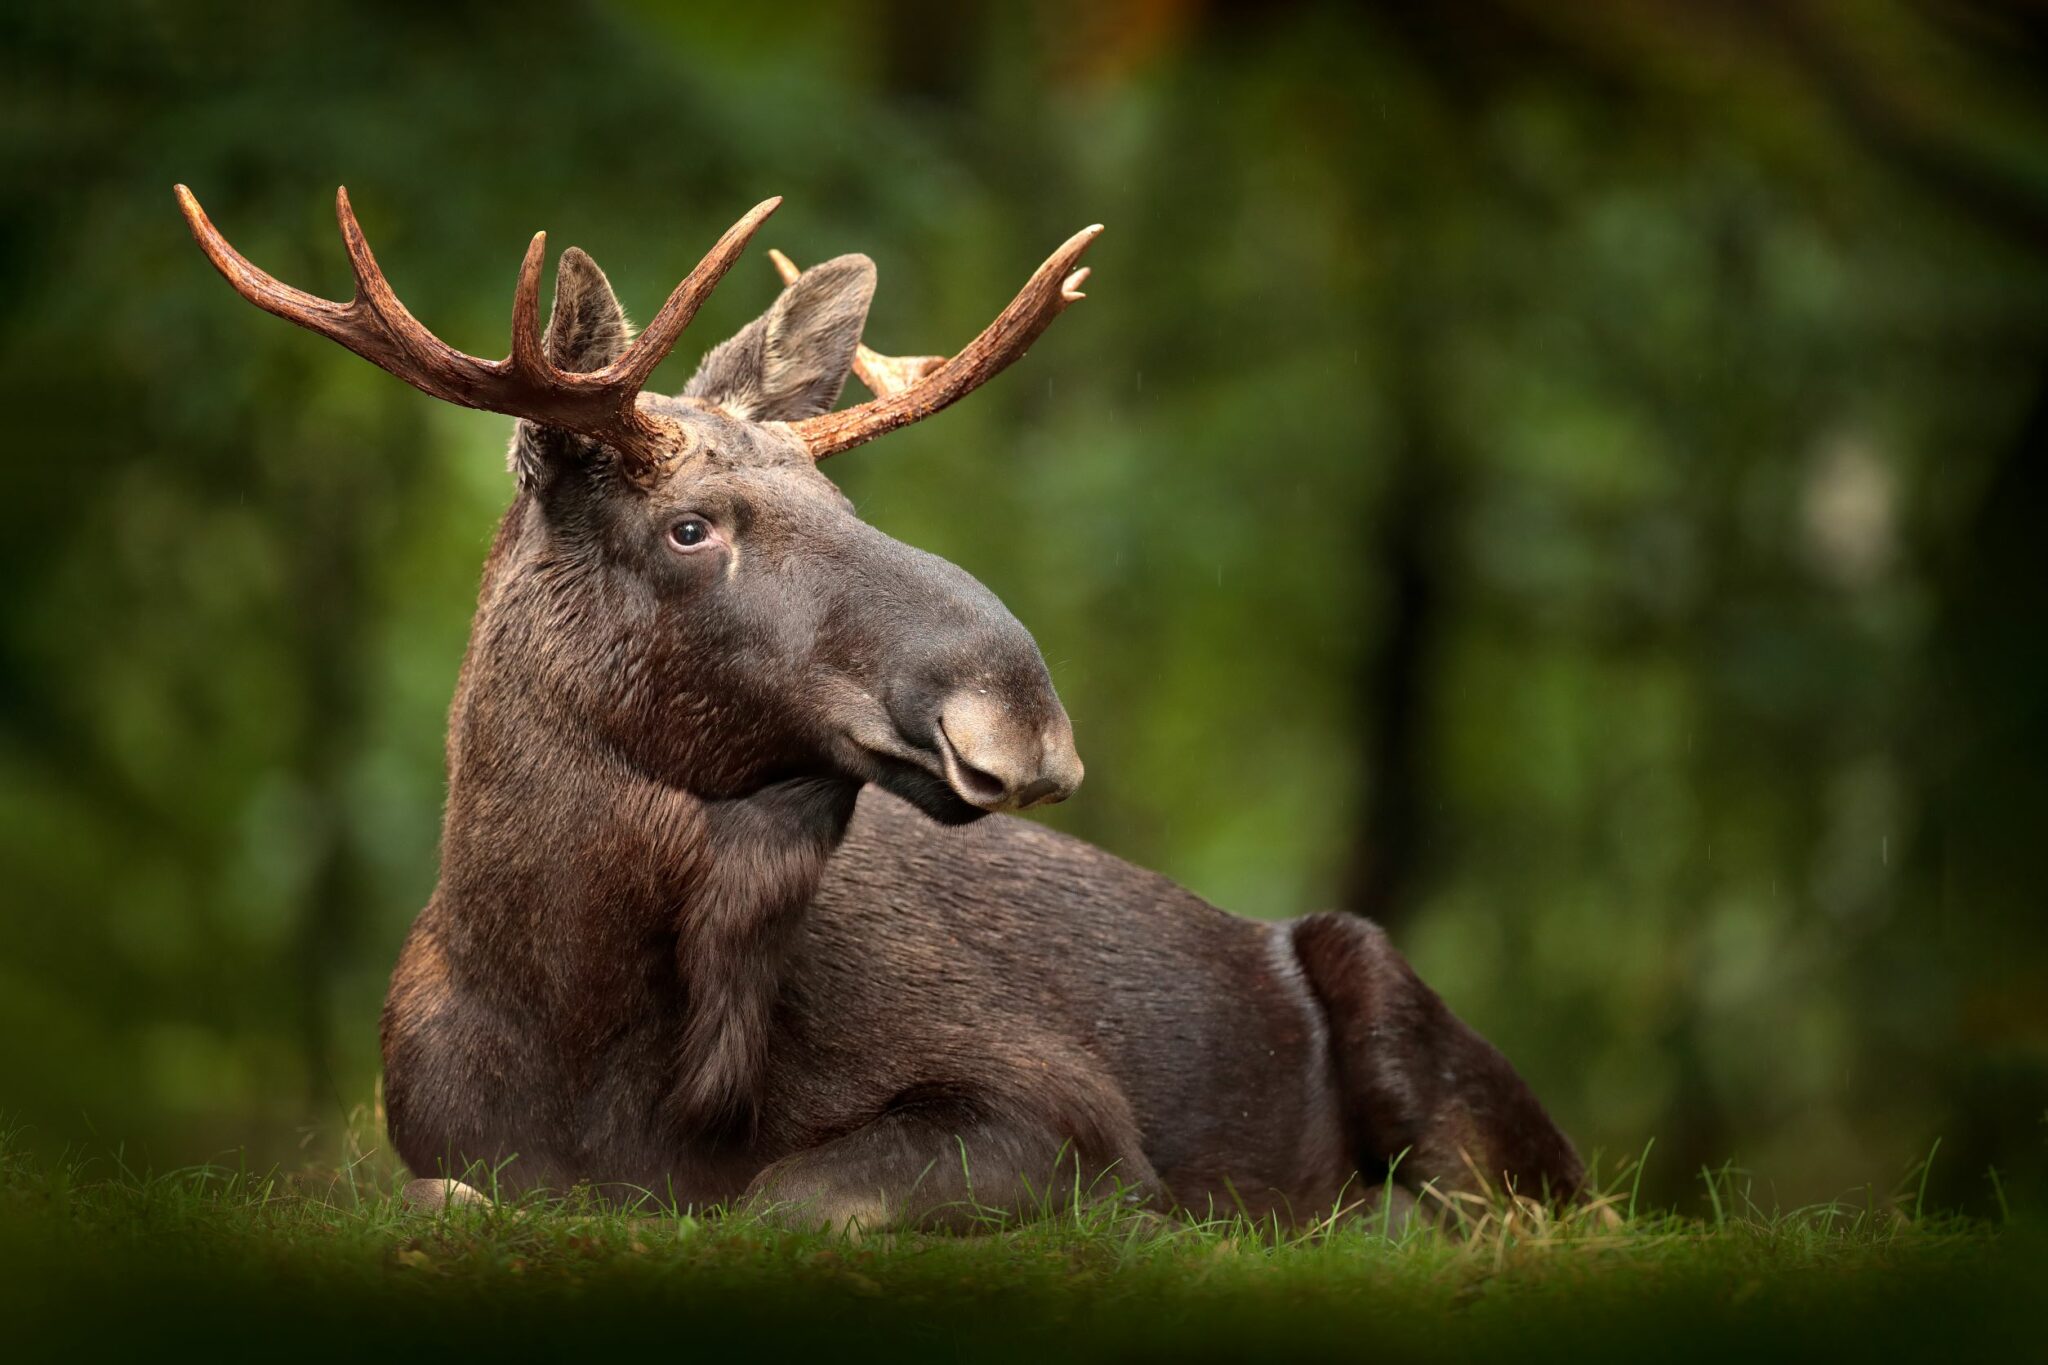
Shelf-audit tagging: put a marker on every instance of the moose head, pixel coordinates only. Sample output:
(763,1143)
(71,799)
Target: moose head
(692,591)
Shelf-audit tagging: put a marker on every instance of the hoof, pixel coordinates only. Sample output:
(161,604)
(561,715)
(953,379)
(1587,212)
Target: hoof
(431,1196)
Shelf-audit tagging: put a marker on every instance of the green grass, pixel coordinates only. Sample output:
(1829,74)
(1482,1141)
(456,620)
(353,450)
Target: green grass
(96,1259)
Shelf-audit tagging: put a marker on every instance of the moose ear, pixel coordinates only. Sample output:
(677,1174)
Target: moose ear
(586,331)
(792,361)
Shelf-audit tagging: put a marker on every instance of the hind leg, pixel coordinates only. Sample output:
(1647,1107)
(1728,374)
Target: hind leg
(950,1166)
(1419,1085)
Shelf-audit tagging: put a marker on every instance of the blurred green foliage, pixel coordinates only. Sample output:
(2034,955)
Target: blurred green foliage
(1564,480)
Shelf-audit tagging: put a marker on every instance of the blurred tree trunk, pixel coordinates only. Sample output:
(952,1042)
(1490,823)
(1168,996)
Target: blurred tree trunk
(328,587)
(1986,719)
(1394,682)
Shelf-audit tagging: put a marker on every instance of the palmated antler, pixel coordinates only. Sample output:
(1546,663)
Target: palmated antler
(601,404)
(911,388)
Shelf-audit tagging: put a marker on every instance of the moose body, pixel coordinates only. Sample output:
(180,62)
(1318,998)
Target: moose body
(731,907)
(1058,998)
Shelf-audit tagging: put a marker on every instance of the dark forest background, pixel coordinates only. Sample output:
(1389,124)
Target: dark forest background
(1564,480)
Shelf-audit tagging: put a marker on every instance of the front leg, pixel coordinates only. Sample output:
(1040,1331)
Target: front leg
(949,1165)
(1418,1085)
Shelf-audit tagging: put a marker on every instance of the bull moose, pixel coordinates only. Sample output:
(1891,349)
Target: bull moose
(731,906)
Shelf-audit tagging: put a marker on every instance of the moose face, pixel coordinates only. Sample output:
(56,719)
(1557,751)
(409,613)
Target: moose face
(687,580)
(759,628)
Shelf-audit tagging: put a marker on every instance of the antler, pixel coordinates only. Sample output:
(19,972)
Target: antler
(601,404)
(911,388)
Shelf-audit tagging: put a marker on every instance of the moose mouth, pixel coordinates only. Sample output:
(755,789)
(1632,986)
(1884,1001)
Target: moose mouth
(969,759)
(874,750)
(922,783)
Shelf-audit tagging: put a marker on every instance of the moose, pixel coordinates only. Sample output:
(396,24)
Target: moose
(733,905)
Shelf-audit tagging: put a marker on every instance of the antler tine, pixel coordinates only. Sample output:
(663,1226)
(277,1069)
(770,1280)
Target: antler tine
(259,287)
(661,334)
(1044,297)
(435,367)
(373,324)
(527,356)
(883,374)
(376,325)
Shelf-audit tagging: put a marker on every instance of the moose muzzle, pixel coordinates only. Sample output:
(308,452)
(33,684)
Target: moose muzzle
(969,722)
(998,759)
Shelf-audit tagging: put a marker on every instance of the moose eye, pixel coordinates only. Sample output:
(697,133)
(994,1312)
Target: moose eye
(688,533)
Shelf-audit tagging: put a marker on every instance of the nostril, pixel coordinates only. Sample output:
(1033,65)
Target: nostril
(993,762)
(974,783)
(983,788)
(1042,790)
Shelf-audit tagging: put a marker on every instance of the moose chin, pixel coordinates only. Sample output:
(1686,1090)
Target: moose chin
(731,904)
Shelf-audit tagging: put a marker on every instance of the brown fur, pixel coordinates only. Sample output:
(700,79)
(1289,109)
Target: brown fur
(715,920)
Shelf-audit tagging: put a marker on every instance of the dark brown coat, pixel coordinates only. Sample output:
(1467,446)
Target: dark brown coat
(730,905)
(699,976)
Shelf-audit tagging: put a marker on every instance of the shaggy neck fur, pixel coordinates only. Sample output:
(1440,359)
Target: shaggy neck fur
(603,895)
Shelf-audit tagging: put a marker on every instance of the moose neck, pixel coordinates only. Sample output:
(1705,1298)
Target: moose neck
(594,882)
